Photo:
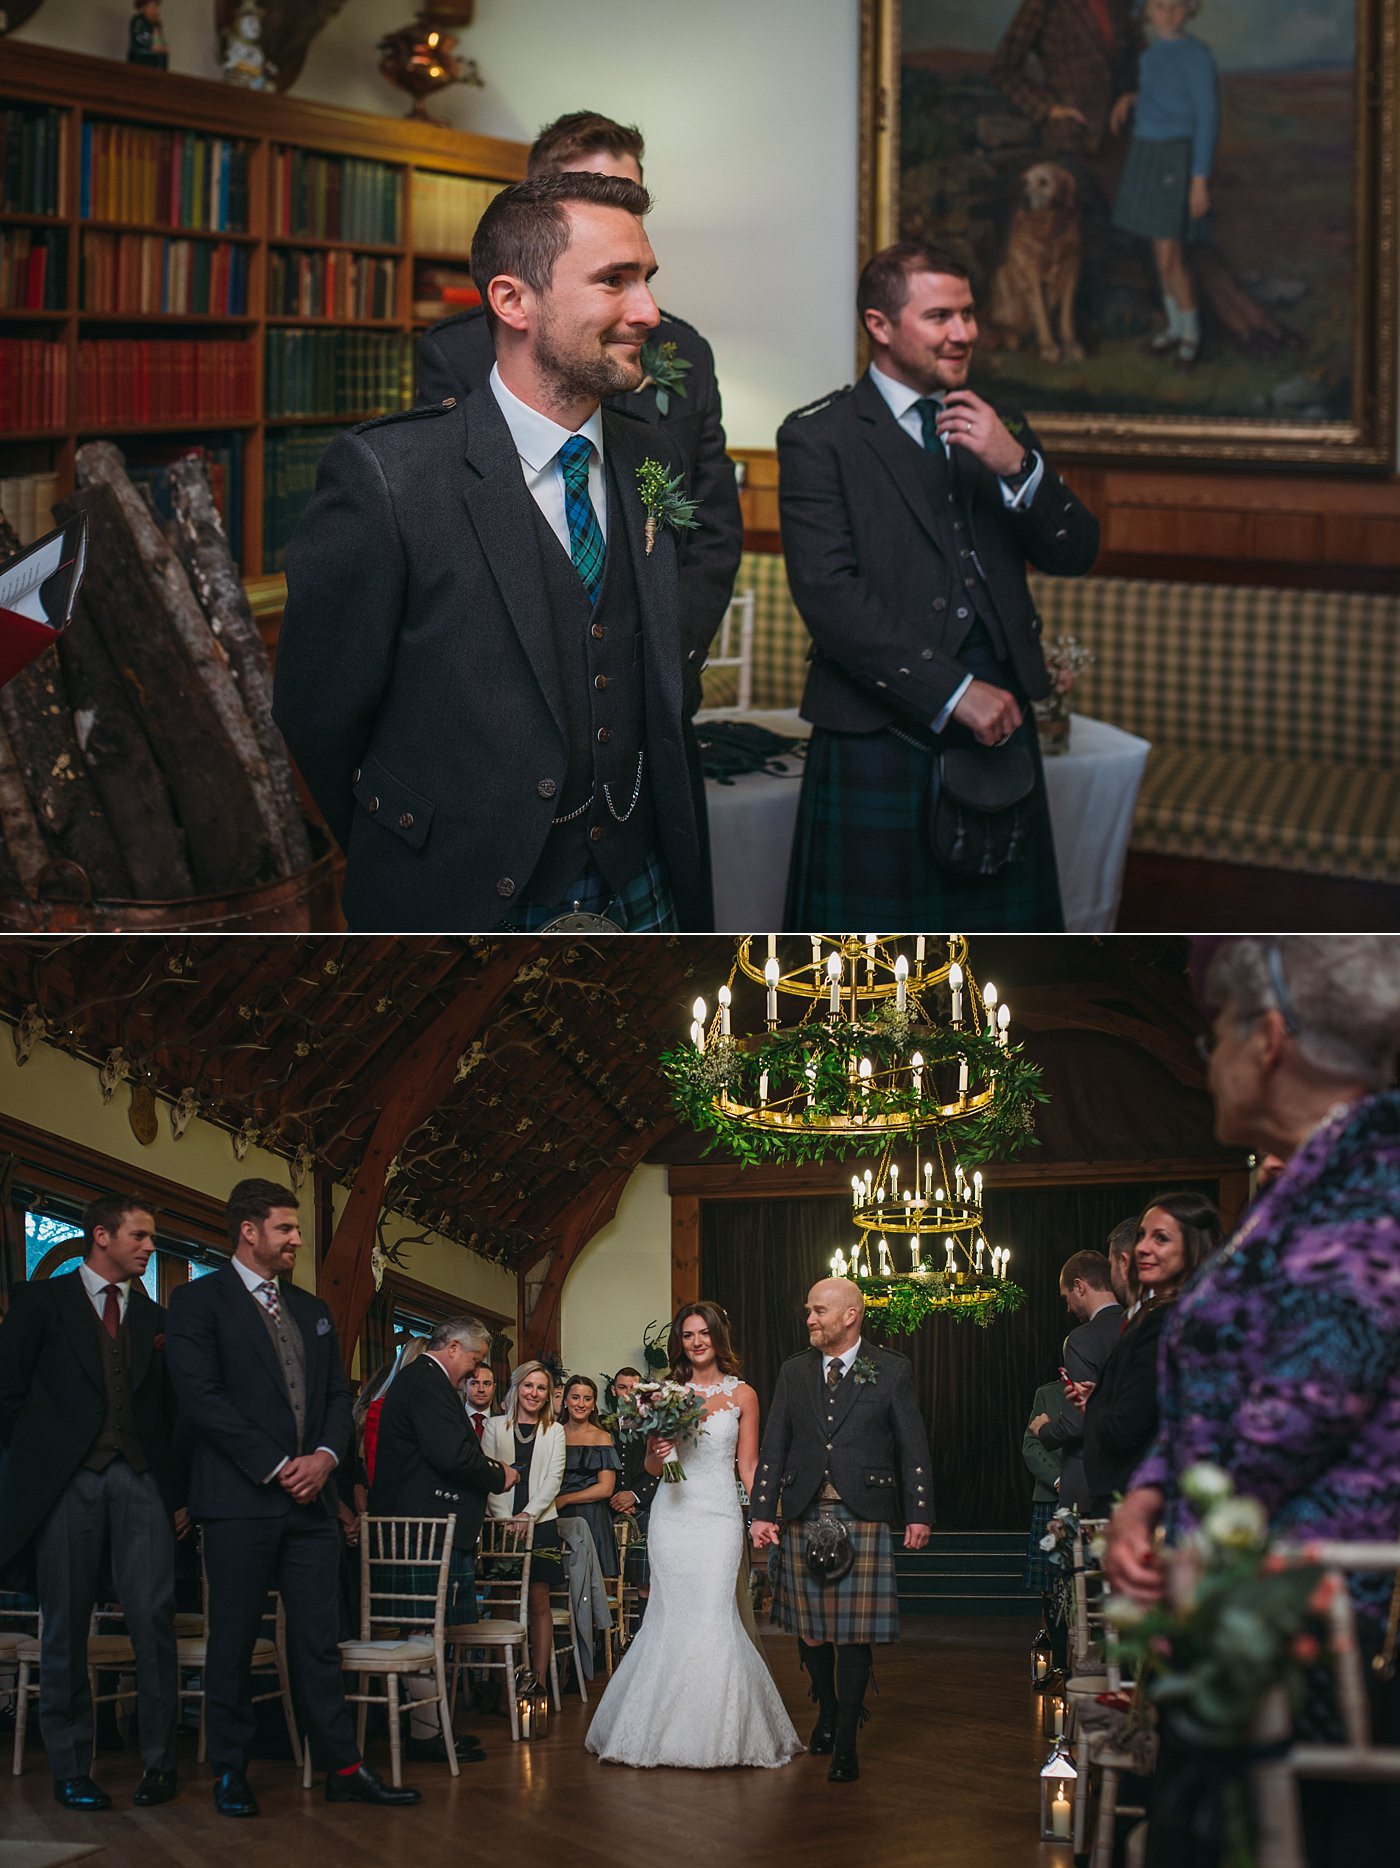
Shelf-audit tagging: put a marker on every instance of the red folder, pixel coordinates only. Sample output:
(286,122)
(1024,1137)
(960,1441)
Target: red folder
(38,589)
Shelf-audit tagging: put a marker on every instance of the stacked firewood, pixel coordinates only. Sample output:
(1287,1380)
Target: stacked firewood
(138,759)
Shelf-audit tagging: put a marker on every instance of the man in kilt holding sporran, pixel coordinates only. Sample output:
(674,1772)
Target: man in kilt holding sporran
(844,1441)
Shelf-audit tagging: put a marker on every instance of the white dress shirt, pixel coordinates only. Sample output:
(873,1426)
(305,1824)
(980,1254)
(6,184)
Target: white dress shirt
(845,1360)
(902,402)
(96,1287)
(253,1282)
(538,441)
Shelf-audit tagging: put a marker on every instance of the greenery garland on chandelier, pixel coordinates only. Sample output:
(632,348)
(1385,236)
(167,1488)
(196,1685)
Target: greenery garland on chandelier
(897,1306)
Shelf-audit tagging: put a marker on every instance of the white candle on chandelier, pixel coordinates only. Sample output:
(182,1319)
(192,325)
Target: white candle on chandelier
(833,973)
(763,1089)
(838,1263)
(901,983)
(977,1253)
(955,985)
(977,1185)
(770,974)
(914,1259)
(894,1180)
(870,959)
(772,946)
(1005,1259)
(697,1035)
(948,1267)
(816,954)
(908,1197)
(928,1177)
(919,952)
(962,1076)
(1003,1022)
(724,999)
(866,1068)
(884,1259)
(989,999)
(916,1064)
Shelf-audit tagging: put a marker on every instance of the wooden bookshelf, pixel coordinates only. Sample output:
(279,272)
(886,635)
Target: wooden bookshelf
(84,90)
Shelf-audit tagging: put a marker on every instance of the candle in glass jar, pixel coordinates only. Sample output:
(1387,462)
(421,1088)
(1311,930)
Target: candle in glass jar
(1060,1814)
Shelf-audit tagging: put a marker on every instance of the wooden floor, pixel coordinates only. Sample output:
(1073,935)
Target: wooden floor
(949,1767)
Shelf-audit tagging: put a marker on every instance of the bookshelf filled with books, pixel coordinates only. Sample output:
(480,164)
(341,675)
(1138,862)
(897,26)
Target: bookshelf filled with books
(188,265)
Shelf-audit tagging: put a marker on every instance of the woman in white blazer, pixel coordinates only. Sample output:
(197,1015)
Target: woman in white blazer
(527,1437)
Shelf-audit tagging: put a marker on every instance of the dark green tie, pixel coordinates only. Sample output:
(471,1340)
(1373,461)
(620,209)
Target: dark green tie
(928,407)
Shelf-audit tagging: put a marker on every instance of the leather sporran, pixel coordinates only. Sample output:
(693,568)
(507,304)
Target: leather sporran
(979,807)
(830,1552)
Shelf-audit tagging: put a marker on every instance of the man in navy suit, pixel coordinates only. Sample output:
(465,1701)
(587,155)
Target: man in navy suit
(88,1415)
(256,1365)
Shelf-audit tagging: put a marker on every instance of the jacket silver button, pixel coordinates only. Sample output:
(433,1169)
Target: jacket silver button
(355,776)
(405,820)
(546,788)
(505,886)
(373,805)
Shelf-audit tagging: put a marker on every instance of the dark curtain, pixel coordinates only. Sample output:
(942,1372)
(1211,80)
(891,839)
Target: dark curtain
(760,1257)
(377,1333)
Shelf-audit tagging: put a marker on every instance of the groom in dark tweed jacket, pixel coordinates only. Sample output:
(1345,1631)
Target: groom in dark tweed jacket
(844,1441)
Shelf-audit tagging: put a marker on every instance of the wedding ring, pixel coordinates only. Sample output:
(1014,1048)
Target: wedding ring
(1002,741)
(967,428)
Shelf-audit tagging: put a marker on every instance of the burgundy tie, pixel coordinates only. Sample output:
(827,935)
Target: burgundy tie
(479,1422)
(112,1311)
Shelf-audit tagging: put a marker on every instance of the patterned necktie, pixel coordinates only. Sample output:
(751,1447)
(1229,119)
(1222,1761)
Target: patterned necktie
(479,1422)
(111,1310)
(585,534)
(928,407)
(834,1372)
(272,1303)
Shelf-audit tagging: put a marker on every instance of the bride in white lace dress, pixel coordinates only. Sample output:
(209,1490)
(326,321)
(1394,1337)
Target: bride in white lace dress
(693,1689)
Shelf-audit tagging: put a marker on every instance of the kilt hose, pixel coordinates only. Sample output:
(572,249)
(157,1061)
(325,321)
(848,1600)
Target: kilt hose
(861,856)
(862,1606)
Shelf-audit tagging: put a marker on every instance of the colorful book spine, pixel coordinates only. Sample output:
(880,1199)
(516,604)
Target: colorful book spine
(29,144)
(164,178)
(446,210)
(140,382)
(351,373)
(335,198)
(338,284)
(32,269)
(136,273)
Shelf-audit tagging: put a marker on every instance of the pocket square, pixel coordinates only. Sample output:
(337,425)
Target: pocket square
(323,1326)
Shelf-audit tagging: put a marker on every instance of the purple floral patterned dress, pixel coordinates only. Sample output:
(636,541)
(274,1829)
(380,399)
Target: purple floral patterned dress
(1281,1361)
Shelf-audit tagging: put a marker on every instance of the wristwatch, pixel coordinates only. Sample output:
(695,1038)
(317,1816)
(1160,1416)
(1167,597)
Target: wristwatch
(1023,472)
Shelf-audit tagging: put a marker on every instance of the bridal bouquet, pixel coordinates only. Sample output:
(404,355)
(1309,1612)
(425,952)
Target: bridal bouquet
(667,1409)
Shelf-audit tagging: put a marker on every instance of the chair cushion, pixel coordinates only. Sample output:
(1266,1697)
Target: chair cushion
(1277,813)
(110,1650)
(487,1634)
(387,1656)
(193,1651)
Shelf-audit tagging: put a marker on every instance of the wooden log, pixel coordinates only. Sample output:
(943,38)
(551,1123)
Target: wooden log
(37,716)
(215,580)
(25,853)
(124,769)
(101,464)
(227,842)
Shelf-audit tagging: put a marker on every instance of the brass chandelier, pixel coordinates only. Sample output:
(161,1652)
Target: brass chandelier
(862,1037)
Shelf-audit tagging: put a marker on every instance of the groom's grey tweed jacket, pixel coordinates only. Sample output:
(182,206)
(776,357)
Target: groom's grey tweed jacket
(868,1436)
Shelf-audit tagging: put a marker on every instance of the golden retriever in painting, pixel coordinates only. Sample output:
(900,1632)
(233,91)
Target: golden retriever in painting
(1033,290)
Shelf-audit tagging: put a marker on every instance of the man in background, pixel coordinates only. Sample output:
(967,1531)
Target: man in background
(87,1412)
(1086,1284)
(481,1393)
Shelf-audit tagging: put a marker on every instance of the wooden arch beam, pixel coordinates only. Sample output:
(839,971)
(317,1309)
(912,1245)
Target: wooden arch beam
(586,1214)
(406,1094)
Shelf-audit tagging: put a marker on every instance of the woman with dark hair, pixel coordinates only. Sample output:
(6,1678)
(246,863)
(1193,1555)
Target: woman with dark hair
(591,1466)
(693,1690)
(1176,1234)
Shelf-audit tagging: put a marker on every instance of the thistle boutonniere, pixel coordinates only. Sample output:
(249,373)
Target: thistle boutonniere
(665,373)
(864,1371)
(665,503)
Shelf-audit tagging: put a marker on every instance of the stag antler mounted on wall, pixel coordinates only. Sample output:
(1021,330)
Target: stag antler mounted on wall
(289,26)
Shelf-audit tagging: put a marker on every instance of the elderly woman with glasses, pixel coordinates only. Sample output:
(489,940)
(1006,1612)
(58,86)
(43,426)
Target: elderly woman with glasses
(1281,1359)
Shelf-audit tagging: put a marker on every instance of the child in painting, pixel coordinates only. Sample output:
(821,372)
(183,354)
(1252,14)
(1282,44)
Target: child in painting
(1164,195)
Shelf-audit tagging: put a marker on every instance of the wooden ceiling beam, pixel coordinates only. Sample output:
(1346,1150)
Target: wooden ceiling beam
(406,1091)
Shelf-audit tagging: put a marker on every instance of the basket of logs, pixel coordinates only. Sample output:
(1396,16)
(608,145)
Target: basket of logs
(142,781)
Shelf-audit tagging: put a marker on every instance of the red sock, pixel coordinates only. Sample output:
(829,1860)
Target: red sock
(349,1770)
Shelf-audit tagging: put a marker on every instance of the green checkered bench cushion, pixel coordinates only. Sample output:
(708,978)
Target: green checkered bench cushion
(1278,813)
(1272,713)
(1281,674)
(780,639)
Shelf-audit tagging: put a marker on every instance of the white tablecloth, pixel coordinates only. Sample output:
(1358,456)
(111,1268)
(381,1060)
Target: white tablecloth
(1093,791)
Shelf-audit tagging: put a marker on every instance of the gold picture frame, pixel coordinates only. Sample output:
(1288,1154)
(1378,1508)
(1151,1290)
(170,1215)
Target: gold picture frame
(1361,437)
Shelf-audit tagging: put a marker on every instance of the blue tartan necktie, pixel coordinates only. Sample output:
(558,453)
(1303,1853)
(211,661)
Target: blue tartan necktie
(585,534)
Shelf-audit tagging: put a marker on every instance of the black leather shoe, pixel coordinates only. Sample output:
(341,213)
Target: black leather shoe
(362,1786)
(845,1768)
(430,1750)
(80,1793)
(154,1787)
(232,1797)
(823,1739)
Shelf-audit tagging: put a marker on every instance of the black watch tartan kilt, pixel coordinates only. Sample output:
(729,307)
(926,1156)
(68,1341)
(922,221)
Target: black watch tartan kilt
(862,1606)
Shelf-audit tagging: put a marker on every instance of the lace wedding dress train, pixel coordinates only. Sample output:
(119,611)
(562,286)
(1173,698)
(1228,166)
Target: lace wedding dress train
(693,1690)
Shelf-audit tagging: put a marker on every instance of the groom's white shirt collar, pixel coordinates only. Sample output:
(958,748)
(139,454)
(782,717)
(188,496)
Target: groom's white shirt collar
(537,442)
(845,1360)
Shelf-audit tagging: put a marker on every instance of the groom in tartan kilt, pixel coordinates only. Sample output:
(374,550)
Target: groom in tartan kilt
(844,1441)
(910,510)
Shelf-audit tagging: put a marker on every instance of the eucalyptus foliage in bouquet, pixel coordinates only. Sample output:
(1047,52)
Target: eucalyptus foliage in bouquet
(1239,1621)
(666,1409)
